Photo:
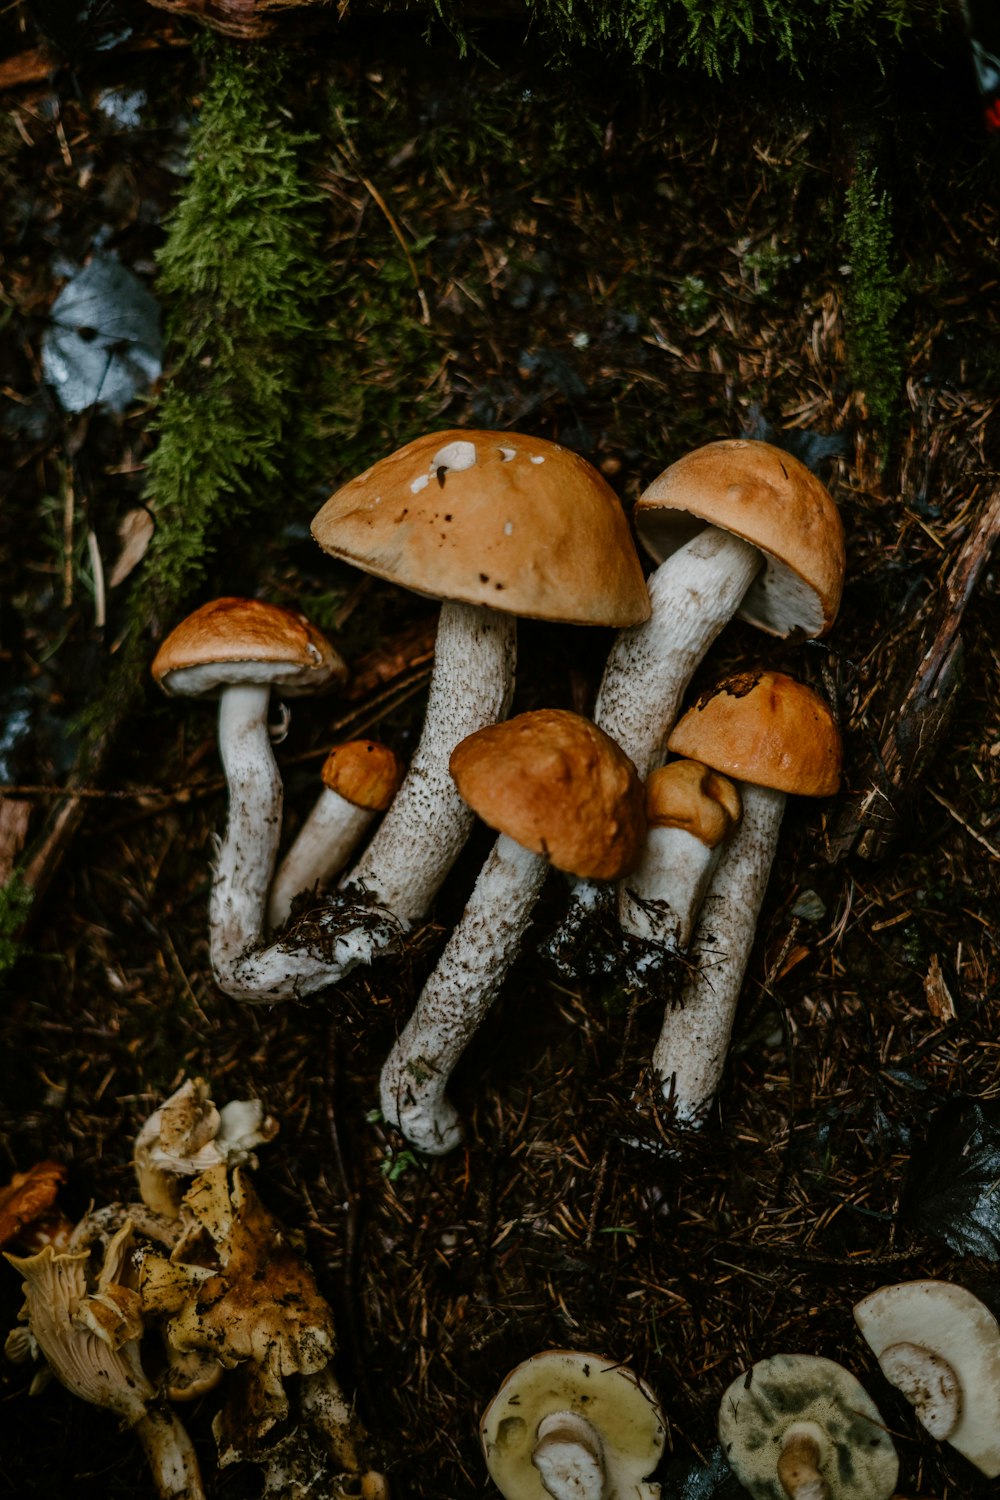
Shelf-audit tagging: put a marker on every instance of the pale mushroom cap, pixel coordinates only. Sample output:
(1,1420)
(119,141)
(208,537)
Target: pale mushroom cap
(791,1393)
(766,729)
(492,518)
(769,498)
(954,1326)
(365,773)
(559,786)
(687,794)
(230,641)
(620,1406)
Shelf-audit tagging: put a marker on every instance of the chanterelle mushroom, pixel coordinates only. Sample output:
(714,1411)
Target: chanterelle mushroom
(797,1427)
(941,1346)
(559,792)
(775,736)
(495,524)
(360,780)
(573,1426)
(238,650)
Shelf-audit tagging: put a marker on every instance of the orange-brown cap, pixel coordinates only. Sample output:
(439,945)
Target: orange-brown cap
(493,518)
(229,641)
(765,495)
(27,1197)
(686,794)
(766,729)
(363,772)
(557,785)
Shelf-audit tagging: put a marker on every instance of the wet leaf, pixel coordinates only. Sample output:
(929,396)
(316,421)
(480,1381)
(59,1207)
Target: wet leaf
(952,1188)
(103,344)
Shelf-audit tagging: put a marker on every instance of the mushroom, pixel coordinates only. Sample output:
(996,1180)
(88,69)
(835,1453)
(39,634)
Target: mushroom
(90,1339)
(559,792)
(187,1135)
(797,1427)
(487,522)
(238,650)
(360,779)
(574,1427)
(775,736)
(737,527)
(690,811)
(941,1346)
(28,1213)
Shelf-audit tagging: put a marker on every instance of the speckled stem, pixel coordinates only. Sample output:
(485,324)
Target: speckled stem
(171,1455)
(691,1052)
(249,847)
(324,844)
(424,830)
(457,997)
(660,899)
(798,1473)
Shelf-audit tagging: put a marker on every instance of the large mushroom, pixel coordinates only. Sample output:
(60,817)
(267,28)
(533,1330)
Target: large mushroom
(798,1427)
(573,1426)
(774,736)
(941,1346)
(494,525)
(559,792)
(737,527)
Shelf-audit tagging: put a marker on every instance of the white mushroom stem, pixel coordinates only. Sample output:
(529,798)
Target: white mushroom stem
(659,901)
(171,1455)
(693,594)
(457,997)
(690,1055)
(245,861)
(324,844)
(798,1466)
(928,1382)
(569,1457)
(425,828)
(336,941)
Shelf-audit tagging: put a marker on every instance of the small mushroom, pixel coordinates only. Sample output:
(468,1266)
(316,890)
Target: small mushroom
(572,1426)
(238,650)
(559,792)
(90,1339)
(941,1347)
(797,1427)
(774,736)
(690,812)
(495,524)
(27,1208)
(187,1135)
(360,780)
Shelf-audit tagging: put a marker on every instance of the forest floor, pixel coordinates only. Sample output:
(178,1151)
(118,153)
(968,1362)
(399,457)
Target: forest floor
(630,264)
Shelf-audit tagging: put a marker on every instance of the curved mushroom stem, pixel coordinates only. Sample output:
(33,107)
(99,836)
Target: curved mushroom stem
(325,842)
(798,1471)
(691,1051)
(693,595)
(424,830)
(569,1457)
(457,997)
(660,899)
(245,861)
(171,1455)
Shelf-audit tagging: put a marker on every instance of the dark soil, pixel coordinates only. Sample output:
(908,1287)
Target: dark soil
(678,279)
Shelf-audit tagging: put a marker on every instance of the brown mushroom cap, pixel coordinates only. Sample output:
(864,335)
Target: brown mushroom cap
(686,794)
(769,498)
(365,773)
(766,729)
(276,646)
(27,1198)
(492,518)
(559,786)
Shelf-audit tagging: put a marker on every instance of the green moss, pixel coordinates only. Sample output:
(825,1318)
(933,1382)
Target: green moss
(875,294)
(15,903)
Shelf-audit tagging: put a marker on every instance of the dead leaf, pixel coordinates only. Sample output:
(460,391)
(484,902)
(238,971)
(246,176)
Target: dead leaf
(938,996)
(135,532)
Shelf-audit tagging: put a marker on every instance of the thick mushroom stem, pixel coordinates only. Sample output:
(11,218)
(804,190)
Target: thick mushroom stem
(798,1466)
(659,901)
(928,1382)
(325,842)
(457,997)
(693,595)
(171,1455)
(249,847)
(569,1457)
(424,830)
(691,1051)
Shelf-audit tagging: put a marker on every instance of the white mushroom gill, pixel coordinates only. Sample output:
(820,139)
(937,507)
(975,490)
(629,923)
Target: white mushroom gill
(425,828)
(569,1457)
